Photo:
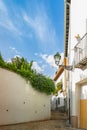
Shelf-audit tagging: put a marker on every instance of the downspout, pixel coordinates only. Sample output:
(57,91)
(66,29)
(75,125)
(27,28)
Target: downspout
(66,48)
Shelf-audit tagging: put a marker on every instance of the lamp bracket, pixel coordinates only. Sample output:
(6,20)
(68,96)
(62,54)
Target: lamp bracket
(68,67)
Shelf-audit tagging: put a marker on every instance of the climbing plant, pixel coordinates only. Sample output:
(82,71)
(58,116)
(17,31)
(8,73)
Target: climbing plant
(24,68)
(58,87)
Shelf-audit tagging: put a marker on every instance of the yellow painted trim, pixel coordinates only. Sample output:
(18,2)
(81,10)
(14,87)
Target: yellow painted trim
(59,72)
(61,69)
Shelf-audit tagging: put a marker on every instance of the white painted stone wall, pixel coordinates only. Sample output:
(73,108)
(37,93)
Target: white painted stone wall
(61,96)
(78,25)
(19,102)
(83,92)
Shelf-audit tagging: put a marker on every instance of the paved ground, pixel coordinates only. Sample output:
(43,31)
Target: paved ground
(40,125)
(57,122)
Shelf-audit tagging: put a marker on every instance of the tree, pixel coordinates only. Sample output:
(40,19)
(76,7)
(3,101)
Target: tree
(1,58)
(16,62)
(58,87)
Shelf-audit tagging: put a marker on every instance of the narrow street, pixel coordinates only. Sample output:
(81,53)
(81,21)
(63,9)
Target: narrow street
(41,125)
(43,64)
(58,122)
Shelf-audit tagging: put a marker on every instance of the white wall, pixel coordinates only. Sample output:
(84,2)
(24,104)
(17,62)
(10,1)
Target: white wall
(61,96)
(78,17)
(19,102)
(83,93)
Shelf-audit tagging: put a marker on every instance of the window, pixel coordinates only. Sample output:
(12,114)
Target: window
(58,101)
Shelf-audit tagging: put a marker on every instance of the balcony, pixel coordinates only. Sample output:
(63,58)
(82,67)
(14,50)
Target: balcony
(80,53)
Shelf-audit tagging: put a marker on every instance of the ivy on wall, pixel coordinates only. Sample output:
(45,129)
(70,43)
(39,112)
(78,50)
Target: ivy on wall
(58,87)
(24,68)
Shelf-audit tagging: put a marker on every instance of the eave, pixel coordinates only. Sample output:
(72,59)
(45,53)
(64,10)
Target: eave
(59,72)
(66,26)
(66,34)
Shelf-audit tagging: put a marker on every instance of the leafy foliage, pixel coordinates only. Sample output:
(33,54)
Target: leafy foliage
(42,83)
(24,68)
(58,87)
(1,60)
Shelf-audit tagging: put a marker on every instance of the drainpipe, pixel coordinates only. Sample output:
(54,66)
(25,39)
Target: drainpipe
(69,4)
(69,108)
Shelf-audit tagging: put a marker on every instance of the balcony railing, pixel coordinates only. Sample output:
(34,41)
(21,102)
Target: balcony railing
(80,53)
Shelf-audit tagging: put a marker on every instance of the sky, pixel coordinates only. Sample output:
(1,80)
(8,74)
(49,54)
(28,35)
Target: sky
(33,29)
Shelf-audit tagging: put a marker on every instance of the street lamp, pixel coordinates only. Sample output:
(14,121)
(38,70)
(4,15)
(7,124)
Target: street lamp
(57,58)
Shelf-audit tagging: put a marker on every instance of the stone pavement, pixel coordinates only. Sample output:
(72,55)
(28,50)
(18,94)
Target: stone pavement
(39,125)
(57,122)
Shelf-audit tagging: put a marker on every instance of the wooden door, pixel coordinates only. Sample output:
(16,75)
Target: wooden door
(83,113)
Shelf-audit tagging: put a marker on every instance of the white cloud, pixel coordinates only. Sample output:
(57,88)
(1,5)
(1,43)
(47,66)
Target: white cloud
(44,66)
(17,56)
(36,54)
(8,24)
(5,20)
(42,28)
(2,7)
(40,25)
(14,50)
(49,59)
(37,67)
(8,60)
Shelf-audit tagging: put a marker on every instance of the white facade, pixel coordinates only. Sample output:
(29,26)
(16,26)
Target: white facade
(60,97)
(53,103)
(59,101)
(19,102)
(77,77)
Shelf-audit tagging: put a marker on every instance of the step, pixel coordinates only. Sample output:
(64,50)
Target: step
(59,116)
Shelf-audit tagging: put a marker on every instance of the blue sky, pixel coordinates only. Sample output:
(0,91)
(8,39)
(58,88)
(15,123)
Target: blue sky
(33,29)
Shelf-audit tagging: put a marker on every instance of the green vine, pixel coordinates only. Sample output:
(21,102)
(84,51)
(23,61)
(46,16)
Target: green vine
(24,68)
(58,87)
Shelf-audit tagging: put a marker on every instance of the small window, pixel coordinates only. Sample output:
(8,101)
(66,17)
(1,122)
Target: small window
(58,101)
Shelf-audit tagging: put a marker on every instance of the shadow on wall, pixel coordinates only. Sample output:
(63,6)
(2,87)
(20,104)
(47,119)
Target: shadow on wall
(19,102)
(58,103)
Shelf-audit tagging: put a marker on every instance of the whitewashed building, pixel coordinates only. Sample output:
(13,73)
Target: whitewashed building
(76,46)
(75,61)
